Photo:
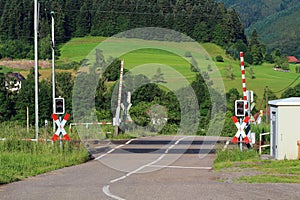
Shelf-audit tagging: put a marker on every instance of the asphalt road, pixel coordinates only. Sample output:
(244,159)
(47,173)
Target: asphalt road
(161,168)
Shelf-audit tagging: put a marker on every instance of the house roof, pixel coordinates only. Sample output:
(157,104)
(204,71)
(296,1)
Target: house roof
(292,101)
(292,59)
(18,76)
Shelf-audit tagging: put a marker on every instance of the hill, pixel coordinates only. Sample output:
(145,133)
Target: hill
(276,22)
(264,74)
(78,48)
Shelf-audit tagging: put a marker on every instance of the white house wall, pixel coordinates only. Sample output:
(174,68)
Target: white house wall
(288,132)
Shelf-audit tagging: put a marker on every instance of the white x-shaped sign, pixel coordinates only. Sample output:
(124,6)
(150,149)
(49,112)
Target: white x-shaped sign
(240,128)
(60,125)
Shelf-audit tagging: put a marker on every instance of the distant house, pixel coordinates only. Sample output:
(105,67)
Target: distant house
(13,81)
(293,59)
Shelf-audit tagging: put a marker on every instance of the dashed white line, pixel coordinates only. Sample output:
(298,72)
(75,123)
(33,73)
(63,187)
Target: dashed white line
(112,150)
(106,188)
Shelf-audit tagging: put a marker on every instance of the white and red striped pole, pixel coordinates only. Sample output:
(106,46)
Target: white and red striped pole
(243,78)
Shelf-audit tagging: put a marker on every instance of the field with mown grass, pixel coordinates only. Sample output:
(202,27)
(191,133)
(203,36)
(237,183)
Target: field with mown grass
(77,49)
(264,75)
(20,159)
(263,171)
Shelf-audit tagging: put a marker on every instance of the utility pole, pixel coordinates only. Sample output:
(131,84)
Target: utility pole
(36,21)
(267,105)
(117,116)
(53,70)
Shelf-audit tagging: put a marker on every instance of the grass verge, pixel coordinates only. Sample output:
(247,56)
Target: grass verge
(268,171)
(227,159)
(22,159)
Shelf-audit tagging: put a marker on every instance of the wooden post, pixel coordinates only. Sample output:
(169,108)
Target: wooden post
(27,117)
(117,116)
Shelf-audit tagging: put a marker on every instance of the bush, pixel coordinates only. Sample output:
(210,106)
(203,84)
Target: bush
(188,54)
(209,68)
(297,69)
(72,65)
(285,66)
(219,58)
(169,129)
(261,128)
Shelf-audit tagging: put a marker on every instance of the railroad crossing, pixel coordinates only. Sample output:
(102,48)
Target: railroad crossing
(162,167)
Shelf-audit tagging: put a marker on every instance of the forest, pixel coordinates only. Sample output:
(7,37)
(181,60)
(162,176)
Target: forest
(271,19)
(204,21)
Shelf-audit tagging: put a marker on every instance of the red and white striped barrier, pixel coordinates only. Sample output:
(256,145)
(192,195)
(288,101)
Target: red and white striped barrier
(29,140)
(60,129)
(89,123)
(240,128)
(243,78)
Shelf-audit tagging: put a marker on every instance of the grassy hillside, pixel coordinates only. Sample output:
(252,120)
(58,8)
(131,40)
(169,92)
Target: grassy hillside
(78,48)
(264,75)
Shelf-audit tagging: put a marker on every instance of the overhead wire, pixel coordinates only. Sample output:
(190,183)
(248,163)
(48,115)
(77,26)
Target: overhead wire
(288,85)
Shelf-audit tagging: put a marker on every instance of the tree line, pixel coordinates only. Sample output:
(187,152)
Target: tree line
(204,21)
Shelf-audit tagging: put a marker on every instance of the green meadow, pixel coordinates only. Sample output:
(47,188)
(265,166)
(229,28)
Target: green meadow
(264,75)
(78,48)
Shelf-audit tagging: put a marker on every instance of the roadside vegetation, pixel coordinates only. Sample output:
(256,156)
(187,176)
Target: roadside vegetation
(262,171)
(20,159)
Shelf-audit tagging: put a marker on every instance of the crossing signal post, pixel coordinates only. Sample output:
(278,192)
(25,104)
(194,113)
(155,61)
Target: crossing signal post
(59,106)
(240,108)
(59,109)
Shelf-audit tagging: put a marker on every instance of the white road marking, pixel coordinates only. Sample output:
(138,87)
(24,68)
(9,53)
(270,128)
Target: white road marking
(112,150)
(118,179)
(108,193)
(129,141)
(180,167)
(105,189)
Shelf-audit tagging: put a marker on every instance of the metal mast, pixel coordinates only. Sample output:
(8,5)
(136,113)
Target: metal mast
(53,70)
(36,21)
